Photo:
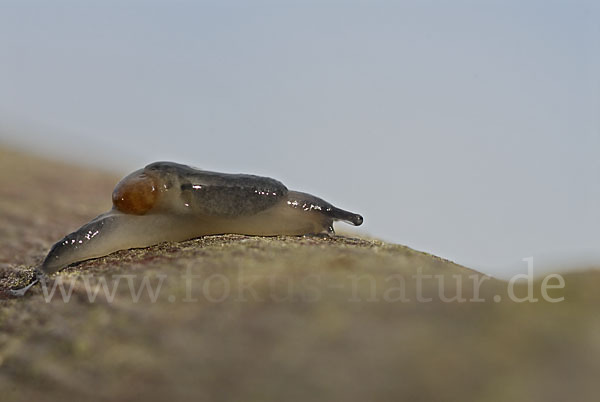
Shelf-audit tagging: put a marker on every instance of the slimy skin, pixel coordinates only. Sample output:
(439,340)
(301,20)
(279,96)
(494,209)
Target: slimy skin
(167,201)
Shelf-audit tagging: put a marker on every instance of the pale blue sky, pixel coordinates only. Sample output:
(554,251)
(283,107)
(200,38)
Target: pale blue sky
(468,129)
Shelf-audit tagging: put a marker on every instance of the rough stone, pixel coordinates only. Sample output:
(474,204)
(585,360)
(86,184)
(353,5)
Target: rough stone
(268,319)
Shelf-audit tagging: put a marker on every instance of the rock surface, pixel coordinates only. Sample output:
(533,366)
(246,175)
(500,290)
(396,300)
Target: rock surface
(268,319)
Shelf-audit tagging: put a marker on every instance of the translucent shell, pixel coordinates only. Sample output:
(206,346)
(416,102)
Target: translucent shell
(136,194)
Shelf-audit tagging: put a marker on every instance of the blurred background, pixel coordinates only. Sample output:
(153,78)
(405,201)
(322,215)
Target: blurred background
(467,129)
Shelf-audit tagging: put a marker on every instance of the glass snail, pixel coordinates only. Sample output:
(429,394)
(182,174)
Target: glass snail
(167,201)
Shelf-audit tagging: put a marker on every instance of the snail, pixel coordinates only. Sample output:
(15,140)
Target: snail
(167,201)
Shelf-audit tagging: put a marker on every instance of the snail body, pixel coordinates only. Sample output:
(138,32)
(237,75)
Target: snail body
(166,201)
